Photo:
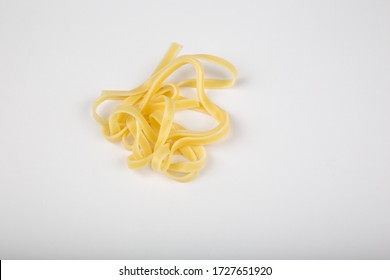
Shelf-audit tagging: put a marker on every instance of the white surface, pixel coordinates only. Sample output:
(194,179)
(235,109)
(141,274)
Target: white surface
(304,173)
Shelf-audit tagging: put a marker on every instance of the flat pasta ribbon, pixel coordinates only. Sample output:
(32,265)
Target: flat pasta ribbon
(144,119)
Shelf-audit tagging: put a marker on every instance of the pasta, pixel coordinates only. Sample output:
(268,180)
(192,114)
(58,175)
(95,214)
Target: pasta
(144,119)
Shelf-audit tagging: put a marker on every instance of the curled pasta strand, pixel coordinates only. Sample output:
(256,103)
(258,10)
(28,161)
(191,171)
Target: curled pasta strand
(144,119)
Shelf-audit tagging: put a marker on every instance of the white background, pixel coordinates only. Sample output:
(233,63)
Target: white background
(303,174)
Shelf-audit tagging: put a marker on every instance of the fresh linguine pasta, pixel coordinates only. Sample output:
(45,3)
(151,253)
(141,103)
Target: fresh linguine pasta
(144,119)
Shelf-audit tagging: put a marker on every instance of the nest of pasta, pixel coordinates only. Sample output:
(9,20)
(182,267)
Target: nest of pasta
(144,119)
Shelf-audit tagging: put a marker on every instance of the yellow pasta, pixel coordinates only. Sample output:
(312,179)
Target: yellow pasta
(144,119)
